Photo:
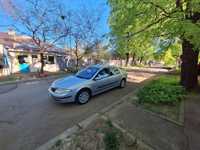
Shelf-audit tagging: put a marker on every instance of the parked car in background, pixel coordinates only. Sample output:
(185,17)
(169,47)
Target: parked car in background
(90,81)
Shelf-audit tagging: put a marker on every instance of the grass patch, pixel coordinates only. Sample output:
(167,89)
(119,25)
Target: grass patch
(163,96)
(112,137)
(164,90)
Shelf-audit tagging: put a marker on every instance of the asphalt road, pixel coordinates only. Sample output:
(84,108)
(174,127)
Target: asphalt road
(28,117)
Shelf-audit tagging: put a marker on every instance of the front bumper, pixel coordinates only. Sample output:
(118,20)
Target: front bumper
(63,98)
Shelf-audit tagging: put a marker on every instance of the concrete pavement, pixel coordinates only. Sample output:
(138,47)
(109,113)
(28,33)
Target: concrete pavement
(192,122)
(152,130)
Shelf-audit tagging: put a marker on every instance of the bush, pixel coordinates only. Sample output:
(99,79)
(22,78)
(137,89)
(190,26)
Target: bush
(164,90)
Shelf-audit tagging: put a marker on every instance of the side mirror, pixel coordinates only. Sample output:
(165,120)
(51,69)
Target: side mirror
(97,78)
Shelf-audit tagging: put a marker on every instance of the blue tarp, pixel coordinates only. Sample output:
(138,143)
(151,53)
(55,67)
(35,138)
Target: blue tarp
(24,68)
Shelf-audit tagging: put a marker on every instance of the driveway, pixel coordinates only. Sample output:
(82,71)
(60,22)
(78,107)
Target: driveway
(28,118)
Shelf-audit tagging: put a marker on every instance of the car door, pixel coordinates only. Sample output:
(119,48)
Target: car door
(103,81)
(116,77)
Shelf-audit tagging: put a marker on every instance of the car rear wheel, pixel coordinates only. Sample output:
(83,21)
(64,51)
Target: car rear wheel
(122,83)
(83,96)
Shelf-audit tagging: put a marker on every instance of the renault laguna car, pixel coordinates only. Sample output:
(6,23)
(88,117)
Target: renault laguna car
(86,83)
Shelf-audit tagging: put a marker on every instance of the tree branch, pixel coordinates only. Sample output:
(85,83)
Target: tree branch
(157,6)
(146,27)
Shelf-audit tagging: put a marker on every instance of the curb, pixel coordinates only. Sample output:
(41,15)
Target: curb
(29,80)
(139,142)
(161,116)
(69,132)
(65,134)
(113,105)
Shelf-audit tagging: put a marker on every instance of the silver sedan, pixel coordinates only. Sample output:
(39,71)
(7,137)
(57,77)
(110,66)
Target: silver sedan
(90,81)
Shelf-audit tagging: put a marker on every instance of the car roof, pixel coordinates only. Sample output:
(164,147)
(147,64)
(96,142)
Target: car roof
(100,65)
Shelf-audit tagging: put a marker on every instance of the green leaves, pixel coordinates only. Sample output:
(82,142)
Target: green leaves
(148,19)
(165,90)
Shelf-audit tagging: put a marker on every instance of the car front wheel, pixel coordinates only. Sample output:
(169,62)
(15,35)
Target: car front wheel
(83,96)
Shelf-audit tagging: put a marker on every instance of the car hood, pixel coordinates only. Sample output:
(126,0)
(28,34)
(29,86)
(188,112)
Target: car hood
(68,82)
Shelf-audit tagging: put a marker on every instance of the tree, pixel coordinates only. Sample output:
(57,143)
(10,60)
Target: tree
(41,22)
(84,24)
(167,19)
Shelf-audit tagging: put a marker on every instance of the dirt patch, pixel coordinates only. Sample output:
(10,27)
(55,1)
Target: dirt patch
(100,135)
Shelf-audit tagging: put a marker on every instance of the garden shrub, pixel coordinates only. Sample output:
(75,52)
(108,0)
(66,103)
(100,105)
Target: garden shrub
(164,90)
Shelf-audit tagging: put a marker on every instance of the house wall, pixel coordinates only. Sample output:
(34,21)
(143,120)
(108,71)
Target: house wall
(34,63)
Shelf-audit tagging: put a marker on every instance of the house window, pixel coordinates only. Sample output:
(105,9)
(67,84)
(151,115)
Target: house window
(34,59)
(51,59)
(34,56)
(22,59)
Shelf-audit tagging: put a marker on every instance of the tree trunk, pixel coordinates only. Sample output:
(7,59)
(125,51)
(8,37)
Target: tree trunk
(77,63)
(127,59)
(133,59)
(42,62)
(189,70)
(77,59)
(141,59)
(121,63)
(77,55)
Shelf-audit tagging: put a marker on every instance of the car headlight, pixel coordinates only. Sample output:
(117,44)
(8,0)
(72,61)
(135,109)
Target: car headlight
(62,91)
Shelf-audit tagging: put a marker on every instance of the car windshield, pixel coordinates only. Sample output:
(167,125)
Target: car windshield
(87,73)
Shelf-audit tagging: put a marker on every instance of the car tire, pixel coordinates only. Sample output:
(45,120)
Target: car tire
(123,83)
(83,96)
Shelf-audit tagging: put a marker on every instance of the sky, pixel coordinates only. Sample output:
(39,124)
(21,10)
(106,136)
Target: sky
(5,20)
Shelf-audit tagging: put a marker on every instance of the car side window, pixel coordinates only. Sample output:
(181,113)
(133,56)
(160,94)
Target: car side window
(115,70)
(104,73)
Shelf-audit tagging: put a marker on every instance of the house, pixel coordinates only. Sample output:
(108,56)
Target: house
(18,51)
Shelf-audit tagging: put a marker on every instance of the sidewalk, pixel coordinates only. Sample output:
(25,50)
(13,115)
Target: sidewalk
(192,122)
(152,130)
(20,78)
(7,86)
